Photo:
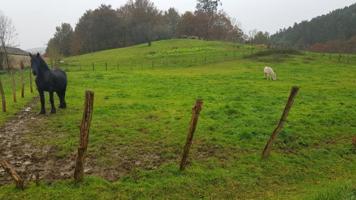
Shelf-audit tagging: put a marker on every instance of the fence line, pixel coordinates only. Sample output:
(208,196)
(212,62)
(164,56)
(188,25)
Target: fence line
(150,63)
(189,61)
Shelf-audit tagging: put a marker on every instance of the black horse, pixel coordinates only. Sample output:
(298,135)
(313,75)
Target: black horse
(50,81)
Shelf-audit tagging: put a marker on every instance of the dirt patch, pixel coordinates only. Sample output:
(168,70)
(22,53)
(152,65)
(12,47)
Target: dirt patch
(28,160)
(33,161)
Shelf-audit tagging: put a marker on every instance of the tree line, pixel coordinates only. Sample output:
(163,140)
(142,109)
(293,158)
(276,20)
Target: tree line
(333,32)
(140,21)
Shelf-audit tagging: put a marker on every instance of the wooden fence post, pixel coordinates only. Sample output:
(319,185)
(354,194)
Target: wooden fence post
(84,136)
(3,99)
(12,172)
(192,127)
(106,66)
(22,80)
(93,66)
(280,125)
(13,83)
(31,88)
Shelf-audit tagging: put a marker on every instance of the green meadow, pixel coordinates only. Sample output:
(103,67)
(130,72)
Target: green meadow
(142,110)
(11,107)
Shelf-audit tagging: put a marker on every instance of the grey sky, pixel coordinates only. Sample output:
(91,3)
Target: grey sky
(35,20)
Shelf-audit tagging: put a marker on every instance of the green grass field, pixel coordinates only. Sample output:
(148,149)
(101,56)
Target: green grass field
(13,108)
(141,117)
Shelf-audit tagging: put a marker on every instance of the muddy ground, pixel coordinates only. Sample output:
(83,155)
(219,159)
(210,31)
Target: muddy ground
(30,162)
(42,163)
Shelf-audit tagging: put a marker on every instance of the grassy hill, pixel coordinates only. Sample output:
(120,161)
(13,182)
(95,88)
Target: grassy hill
(170,53)
(142,114)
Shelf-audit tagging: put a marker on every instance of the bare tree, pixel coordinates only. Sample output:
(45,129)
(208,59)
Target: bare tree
(7,30)
(251,35)
(54,55)
(7,35)
(7,38)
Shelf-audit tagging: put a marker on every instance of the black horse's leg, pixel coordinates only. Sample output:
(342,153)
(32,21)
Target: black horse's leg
(42,98)
(61,96)
(53,109)
(60,99)
(64,99)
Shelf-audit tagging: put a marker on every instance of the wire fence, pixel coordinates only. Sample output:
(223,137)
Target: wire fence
(151,63)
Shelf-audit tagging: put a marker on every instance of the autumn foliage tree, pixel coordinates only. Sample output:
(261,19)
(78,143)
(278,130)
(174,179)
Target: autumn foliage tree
(140,21)
(209,23)
(336,46)
(97,29)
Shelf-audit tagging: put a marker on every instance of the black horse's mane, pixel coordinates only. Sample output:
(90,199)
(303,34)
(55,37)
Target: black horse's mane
(42,63)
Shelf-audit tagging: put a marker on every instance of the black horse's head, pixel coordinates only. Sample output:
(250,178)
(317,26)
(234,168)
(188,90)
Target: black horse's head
(37,63)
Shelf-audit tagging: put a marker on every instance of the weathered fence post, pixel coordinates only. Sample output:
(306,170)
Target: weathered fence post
(12,172)
(93,66)
(3,99)
(31,88)
(13,83)
(192,127)
(106,66)
(280,125)
(22,80)
(84,135)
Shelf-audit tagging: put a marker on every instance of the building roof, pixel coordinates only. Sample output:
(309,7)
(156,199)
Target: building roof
(14,51)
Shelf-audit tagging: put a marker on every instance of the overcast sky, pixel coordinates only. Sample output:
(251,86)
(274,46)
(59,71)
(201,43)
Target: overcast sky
(35,20)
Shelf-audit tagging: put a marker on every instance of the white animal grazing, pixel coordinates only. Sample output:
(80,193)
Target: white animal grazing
(269,73)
